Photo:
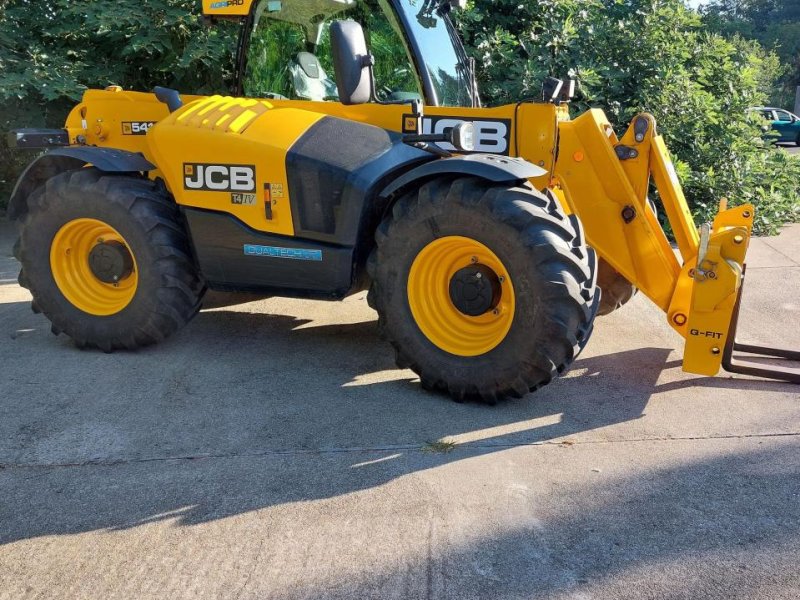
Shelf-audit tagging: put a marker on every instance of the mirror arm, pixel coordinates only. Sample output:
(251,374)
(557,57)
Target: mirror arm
(413,138)
(432,148)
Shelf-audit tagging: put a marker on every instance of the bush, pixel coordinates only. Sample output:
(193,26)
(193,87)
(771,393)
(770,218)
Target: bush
(656,56)
(50,52)
(628,56)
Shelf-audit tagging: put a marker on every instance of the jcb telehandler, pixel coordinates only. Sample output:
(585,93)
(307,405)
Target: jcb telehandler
(345,160)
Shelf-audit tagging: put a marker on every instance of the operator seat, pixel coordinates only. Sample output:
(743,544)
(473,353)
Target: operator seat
(309,78)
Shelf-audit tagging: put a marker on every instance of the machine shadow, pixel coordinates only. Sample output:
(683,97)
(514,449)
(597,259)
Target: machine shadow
(721,526)
(291,432)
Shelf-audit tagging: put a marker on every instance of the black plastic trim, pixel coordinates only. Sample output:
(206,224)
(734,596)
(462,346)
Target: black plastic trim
(219,241)
(486,166)
(334,180)
(110,160)
(57,161)
(37,138)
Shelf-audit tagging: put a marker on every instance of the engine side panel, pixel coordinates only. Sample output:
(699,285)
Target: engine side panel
(234,257)
(277,198)
(228,155)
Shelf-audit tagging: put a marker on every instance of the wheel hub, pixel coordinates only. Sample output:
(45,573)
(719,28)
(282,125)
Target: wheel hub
(475,290)
(110,262)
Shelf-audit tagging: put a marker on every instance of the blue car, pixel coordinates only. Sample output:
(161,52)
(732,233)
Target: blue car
(785,124)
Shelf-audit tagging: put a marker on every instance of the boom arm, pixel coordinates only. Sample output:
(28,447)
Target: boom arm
(605,181)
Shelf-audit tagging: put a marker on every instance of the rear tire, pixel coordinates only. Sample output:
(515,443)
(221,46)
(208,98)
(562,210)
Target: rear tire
(549,305)
(154,296)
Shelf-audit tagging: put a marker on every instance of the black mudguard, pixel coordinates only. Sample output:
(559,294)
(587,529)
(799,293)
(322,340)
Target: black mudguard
(57,161)
(486,166)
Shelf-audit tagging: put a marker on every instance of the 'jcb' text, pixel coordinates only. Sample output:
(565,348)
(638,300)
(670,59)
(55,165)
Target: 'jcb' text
(219,178)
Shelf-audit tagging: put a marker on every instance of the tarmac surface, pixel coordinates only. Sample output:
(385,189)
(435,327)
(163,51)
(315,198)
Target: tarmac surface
(272,450)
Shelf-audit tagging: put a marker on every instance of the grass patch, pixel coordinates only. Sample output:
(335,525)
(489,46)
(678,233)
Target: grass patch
(439,447)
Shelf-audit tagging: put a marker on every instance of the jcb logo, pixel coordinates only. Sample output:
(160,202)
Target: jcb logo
(219,178)
(491,135)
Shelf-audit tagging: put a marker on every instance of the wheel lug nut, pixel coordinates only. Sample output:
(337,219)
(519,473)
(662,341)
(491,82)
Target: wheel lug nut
(473,260)
(496,311)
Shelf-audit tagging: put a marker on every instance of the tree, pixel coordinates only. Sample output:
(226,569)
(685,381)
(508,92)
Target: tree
(51,51)
(656,56)
(627,55)
(775,24)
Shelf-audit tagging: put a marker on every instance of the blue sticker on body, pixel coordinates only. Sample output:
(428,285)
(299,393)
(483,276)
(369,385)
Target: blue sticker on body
(278,252)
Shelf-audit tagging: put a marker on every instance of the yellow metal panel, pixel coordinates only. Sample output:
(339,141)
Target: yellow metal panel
(223,113)
(716,279)
(598,189)
(532,128)
(116,119)
(199,135)
(536,130)
(678,213)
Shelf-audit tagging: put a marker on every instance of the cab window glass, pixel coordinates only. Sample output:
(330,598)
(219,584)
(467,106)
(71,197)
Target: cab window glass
(784,116)
(285,60)
(395,78)
(272,55)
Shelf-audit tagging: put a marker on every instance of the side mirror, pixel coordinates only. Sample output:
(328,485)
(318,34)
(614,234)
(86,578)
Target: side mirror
(352,62)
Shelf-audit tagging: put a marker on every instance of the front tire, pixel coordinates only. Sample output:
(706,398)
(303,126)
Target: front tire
(484,290)
(107,260)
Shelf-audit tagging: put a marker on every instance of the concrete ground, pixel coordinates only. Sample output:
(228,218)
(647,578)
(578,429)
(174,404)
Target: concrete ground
(791,148)
(272,450)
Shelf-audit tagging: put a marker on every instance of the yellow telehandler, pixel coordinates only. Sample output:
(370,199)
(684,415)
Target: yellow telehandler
(354,153)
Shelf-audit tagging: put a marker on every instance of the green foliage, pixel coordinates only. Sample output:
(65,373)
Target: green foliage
(628,56)
(51,51)
(274,43)
(272,46)
(775,24)
(656,56)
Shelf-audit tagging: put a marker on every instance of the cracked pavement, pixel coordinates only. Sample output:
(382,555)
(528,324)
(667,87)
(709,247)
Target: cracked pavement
(272,450)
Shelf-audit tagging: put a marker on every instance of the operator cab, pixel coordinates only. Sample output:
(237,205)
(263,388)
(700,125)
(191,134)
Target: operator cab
(287,51)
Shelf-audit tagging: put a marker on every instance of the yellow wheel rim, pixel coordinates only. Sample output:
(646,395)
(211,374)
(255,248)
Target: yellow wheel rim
(69,263)
(433,309)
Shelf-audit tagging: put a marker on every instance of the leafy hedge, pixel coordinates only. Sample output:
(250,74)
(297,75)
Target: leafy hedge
(50,52)
(627,55)
(656,56)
